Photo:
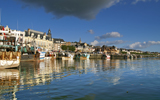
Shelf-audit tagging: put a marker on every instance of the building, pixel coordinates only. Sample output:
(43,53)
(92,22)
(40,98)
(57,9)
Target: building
(57,43)
(83,47)
(40,40)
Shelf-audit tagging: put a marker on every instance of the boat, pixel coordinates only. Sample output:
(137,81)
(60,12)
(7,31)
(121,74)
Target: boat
(9,59)
(50,56)
(82,56)
(67,56)
(85,56)
(106,56)
(42,55)
(9,55)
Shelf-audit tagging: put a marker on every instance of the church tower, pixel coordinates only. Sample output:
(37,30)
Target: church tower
(80,40)
(49,33)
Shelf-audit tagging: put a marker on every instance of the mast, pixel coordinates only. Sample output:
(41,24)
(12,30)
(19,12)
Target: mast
(0,16)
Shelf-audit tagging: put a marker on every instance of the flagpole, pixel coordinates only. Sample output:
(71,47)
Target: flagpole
(0,16)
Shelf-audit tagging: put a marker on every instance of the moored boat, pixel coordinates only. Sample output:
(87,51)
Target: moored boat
(9,59)
(82,56)
(106,56)
(42,55)
(85,56)
(67,56)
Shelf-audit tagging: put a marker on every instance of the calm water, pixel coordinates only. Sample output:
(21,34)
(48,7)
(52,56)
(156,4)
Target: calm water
(83,80)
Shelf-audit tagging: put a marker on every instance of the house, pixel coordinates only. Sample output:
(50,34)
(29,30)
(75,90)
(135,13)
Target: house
(83,47)
(57,43)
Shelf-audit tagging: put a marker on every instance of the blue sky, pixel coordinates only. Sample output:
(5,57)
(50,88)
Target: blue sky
(133,24)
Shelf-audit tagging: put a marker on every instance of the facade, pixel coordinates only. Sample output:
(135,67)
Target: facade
(40,40)
(57,43)
(107,49)
(83,47)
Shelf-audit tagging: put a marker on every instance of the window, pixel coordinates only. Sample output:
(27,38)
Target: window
(21,34)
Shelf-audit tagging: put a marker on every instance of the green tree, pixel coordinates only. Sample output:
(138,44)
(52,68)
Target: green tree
(64,47)
(70,48)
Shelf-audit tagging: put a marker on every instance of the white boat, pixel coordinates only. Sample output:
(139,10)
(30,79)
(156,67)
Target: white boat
(47,58)
(106,56)
(42,55)
(67,56)
(9,59)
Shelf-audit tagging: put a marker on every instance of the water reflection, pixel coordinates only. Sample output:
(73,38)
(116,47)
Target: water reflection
(44,72)
(9,81)
(85,72)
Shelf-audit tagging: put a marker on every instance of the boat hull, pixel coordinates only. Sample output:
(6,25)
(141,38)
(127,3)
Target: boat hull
(9,59)
(42,55)
(9,63)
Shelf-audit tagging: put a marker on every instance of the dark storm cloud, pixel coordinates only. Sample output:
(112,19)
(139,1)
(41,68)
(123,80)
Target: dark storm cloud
(83,9)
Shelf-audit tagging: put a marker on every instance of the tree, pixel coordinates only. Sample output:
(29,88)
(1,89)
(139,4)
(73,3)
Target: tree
(64,47)
(70,48)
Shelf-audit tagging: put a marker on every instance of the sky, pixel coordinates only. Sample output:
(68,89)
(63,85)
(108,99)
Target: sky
(130,24)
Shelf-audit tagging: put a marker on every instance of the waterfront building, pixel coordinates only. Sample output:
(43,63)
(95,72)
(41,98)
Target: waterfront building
(57,43)
(108,49)
(40,40)
(83,47)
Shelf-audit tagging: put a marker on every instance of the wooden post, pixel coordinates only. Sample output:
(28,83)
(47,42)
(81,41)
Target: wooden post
(10,55)
(3,55)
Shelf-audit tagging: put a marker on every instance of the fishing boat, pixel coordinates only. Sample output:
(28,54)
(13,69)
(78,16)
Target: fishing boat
(82,56)
(106,56)
(42,55)
(50,56)
(67,56)
(9,59)
(85,56)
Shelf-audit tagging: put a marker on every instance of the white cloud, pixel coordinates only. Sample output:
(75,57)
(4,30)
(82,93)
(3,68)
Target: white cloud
(136,1)
(91,31)
(139,45)
(83,9)
(108,35)
(96,43)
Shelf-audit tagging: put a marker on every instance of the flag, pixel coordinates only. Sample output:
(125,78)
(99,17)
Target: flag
(4,33)
(3,28)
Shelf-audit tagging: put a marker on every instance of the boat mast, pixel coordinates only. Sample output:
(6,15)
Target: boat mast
(0,16)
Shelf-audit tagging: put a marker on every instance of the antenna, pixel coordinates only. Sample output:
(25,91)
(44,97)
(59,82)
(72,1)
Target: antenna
(17,24)
(0,16)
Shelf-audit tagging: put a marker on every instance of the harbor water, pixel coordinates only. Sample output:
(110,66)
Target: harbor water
(94,79)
